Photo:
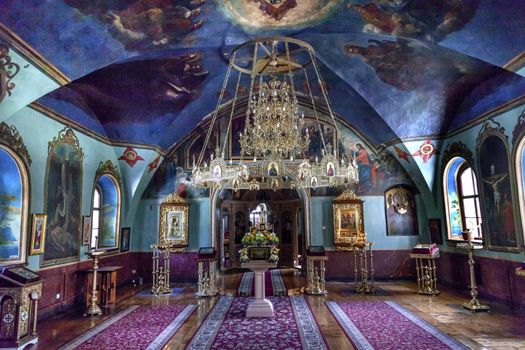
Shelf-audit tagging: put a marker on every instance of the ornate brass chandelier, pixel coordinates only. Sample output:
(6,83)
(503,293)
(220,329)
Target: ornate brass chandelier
(274,144)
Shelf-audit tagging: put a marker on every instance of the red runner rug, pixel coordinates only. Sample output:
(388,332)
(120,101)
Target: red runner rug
(226,328)
(387,325)
(273,284)
(136,327)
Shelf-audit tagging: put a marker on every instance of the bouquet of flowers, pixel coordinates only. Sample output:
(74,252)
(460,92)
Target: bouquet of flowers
(244,255)
(259,238)
(274,255)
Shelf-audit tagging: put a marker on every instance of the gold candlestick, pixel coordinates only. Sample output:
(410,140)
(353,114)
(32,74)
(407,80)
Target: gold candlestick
(473,304)
(93,308)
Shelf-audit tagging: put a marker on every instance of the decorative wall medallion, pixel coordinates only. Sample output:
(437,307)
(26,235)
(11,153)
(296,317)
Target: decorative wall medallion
(108,167)
(154,164)
(24,315)
(8,70)
(10,137)
(130,156)
(402,154)
(519,129)
(426,151)
(457,149)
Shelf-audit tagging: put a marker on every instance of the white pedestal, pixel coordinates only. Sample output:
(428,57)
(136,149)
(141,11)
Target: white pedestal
(260,307)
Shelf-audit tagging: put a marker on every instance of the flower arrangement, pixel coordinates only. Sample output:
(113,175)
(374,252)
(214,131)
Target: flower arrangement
(244,255)
(259,238)
(274,255)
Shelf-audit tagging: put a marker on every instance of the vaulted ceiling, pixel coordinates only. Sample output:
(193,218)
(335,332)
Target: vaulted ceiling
(148,71)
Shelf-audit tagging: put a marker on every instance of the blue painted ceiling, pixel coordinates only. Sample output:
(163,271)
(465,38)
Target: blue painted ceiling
(147,71)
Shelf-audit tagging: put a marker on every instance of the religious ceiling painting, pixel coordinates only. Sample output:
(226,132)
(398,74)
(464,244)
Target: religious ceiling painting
(401,214)
(257,14)
(317,132)
(170,177)
(496,191)
(63,198)
(430,20)
(143,24)
(378,170)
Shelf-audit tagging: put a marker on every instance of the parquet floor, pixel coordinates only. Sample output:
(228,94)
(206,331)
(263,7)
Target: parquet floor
(502,328)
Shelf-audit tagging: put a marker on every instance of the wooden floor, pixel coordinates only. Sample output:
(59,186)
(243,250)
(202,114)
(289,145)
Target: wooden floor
(501,328)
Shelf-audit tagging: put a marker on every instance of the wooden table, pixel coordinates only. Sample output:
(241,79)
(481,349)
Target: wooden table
(107,289)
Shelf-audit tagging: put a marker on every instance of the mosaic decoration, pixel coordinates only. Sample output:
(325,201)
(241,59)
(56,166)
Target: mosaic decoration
(130,156)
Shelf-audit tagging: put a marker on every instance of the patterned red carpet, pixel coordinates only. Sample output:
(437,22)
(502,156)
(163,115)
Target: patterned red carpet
(273,284)
(136,327)
(386,325)
(227,327)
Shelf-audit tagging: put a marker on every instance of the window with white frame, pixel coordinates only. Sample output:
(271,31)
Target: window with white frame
(461,200)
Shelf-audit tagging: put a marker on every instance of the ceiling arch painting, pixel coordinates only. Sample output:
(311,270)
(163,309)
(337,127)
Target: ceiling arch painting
(147,71)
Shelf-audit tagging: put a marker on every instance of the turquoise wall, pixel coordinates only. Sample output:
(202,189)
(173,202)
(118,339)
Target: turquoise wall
(146,224)
(375,224)
(508,120)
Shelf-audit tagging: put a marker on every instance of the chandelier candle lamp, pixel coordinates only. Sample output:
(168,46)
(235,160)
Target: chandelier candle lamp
(273,144)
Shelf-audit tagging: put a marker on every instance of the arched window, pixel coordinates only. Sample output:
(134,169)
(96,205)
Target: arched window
(105,213)
(13,208)
(461,199)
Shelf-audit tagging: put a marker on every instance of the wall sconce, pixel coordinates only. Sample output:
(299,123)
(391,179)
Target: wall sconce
(8,70)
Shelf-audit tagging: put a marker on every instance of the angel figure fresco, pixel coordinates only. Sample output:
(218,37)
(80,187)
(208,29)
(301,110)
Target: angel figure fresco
(145,23)
(431,20)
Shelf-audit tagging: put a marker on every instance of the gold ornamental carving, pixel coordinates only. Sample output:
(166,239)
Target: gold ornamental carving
(349,228)
(108,167)
(65,135)
(173,222)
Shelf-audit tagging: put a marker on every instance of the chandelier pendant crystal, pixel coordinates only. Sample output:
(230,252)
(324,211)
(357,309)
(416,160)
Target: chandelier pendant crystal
(274,144)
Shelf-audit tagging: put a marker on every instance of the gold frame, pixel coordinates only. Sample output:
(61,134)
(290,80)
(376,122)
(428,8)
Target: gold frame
(32,250)
(348,202)
(173,206)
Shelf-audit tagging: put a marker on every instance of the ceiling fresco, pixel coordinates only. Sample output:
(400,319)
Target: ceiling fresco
(147,71)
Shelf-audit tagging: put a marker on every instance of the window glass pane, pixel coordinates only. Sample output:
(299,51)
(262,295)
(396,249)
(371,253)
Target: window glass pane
(469,207)
(95,219)
(452,199)
(471,223)
(474,182)
(467,187)
(94,235)
(96,199)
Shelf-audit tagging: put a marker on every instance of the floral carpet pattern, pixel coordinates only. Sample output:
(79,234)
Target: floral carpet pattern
(273,284)
(136,327)
(386,325)
(227,327)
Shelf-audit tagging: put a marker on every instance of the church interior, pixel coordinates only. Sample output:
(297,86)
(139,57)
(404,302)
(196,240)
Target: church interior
(262,174)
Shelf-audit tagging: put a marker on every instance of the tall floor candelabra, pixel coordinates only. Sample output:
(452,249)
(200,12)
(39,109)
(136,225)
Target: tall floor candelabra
(473,304)
(161,269)
(364,268)
(93,308)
